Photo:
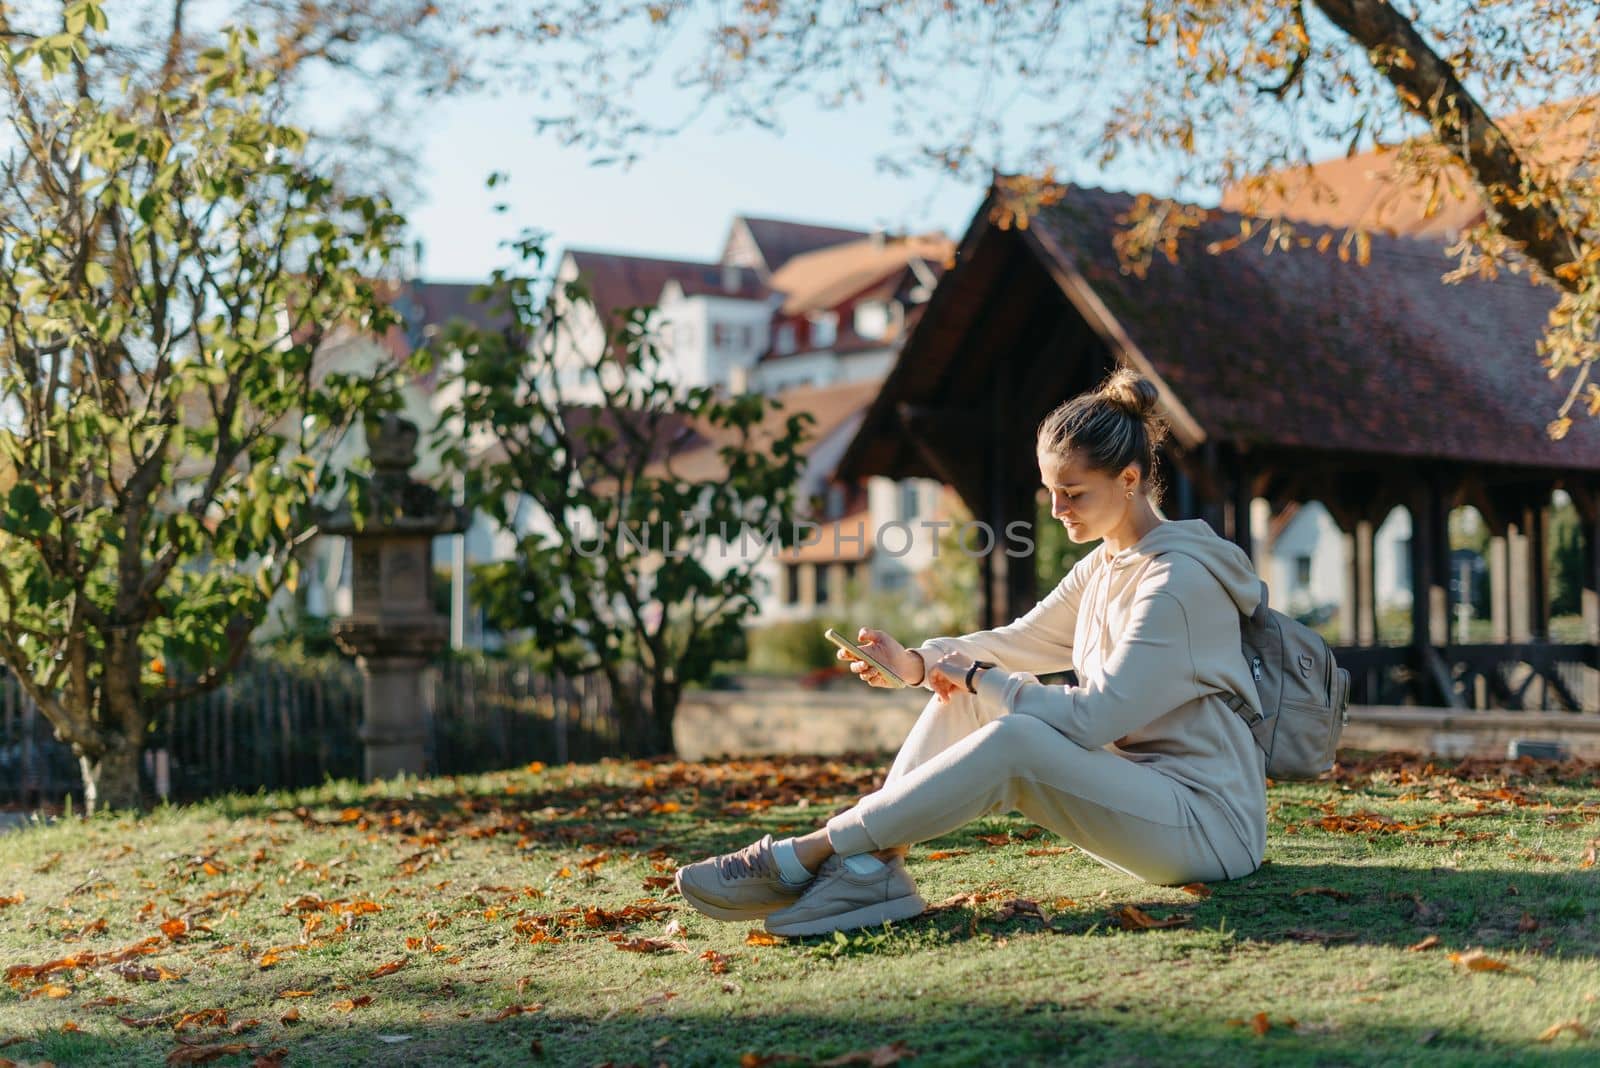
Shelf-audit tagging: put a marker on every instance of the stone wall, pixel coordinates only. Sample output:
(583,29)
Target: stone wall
(788,719)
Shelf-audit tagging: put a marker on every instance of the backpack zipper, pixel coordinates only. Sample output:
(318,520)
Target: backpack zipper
(1255,668)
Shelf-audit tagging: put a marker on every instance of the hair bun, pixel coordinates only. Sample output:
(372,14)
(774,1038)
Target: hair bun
(1133,393)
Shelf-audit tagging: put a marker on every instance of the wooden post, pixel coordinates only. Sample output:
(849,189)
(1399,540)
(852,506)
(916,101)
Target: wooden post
(1536,521)
(1238,510)
(1348,629)
(1519,581)
(1366,583)
(1588,505)
(1499,588)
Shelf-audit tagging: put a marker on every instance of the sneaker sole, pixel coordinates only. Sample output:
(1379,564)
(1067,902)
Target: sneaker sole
(901,908)
(723,912)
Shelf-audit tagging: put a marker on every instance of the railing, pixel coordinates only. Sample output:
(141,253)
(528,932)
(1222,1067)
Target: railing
(1527,676)
(279,726)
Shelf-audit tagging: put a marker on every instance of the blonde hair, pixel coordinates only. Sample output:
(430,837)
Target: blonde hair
(1114,426)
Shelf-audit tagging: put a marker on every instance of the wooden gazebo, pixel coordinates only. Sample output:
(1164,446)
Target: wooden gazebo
(1289,376)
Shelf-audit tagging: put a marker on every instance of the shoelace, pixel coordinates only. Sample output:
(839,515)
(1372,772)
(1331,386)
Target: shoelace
(742,865)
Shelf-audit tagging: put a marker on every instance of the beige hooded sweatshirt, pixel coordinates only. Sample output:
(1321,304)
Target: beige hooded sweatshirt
(1153,634)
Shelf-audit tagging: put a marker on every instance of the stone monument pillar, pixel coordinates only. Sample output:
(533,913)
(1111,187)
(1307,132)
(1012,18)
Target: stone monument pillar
(393,629)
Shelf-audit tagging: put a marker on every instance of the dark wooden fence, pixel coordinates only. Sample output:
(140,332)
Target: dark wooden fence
(279,726)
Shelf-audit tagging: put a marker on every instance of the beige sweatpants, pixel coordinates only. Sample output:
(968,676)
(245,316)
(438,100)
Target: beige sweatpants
(958,764)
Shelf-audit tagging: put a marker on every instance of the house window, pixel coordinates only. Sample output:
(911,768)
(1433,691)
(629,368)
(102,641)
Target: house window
(835,501)
(1402,562)
(908,500)
(850,572)
(891,581)
(747,337)
(822,583)
(872,319)
(721,335)
(824,329)
(1302,572)
(785,341)
(791,583)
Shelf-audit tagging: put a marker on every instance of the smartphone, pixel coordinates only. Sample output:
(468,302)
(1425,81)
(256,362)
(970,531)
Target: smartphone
(894,681)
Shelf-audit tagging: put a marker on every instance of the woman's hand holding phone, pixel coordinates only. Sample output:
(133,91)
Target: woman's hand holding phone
(903,662)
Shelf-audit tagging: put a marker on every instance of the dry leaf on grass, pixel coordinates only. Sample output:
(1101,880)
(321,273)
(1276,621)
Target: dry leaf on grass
(1475,960)
(1427,943)
(758,937)
(718,961)
(351,1004)
(205,1054)
(946,854)
(515,1010)
(1048,851)
(202,1018)
(1322,891)
(1574,1025)
(994,839)
(1199,890)
(387,969)
(1261,1023)
(646,945)
(1134,918)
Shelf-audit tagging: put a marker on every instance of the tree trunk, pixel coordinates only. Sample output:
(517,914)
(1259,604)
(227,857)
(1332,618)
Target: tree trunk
(111,780)
(111,777)
(663,708)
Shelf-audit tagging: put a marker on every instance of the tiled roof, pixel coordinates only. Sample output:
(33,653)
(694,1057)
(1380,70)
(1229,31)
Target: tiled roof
(780,240)
(1368,188)
(1297,348)
(828,277)
(830,407)
(617,281)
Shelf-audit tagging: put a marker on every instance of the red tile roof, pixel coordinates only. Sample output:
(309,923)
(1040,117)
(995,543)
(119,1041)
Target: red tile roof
(616,281)
(1370,189)
(780,240)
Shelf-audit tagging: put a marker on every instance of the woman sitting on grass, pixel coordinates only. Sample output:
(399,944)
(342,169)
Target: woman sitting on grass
(1142,764)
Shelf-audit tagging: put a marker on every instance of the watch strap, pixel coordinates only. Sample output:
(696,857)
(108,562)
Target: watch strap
(973,670)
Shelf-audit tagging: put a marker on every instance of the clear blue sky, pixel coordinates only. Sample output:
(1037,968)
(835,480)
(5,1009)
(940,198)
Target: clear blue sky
(677,200)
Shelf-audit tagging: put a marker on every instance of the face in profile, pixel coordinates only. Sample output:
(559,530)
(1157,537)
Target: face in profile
(1089,503)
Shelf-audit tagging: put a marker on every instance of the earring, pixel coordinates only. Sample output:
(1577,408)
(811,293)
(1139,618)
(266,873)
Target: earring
(1130,495)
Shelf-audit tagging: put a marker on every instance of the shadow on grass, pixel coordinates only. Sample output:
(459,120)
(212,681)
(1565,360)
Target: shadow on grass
(1088,1029)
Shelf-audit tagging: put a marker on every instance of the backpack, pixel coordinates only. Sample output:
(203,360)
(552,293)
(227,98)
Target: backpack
(1305,694)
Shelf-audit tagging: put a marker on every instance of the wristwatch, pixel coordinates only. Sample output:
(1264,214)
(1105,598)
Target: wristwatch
(973,670)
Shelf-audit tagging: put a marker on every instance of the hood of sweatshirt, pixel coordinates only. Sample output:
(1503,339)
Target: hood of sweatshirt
(1226,562)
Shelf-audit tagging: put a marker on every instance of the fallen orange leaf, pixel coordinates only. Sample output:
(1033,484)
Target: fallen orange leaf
(758,937)
(387,969)
(516,1010)
(204,1054)
(1427,943)
(1475,960)
(292,1016)
(1134,918)
(1200,890)
(1574,1025)
(946,854)
(351,1004)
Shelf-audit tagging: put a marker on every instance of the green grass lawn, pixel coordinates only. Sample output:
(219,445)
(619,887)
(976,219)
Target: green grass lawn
(1406,915)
